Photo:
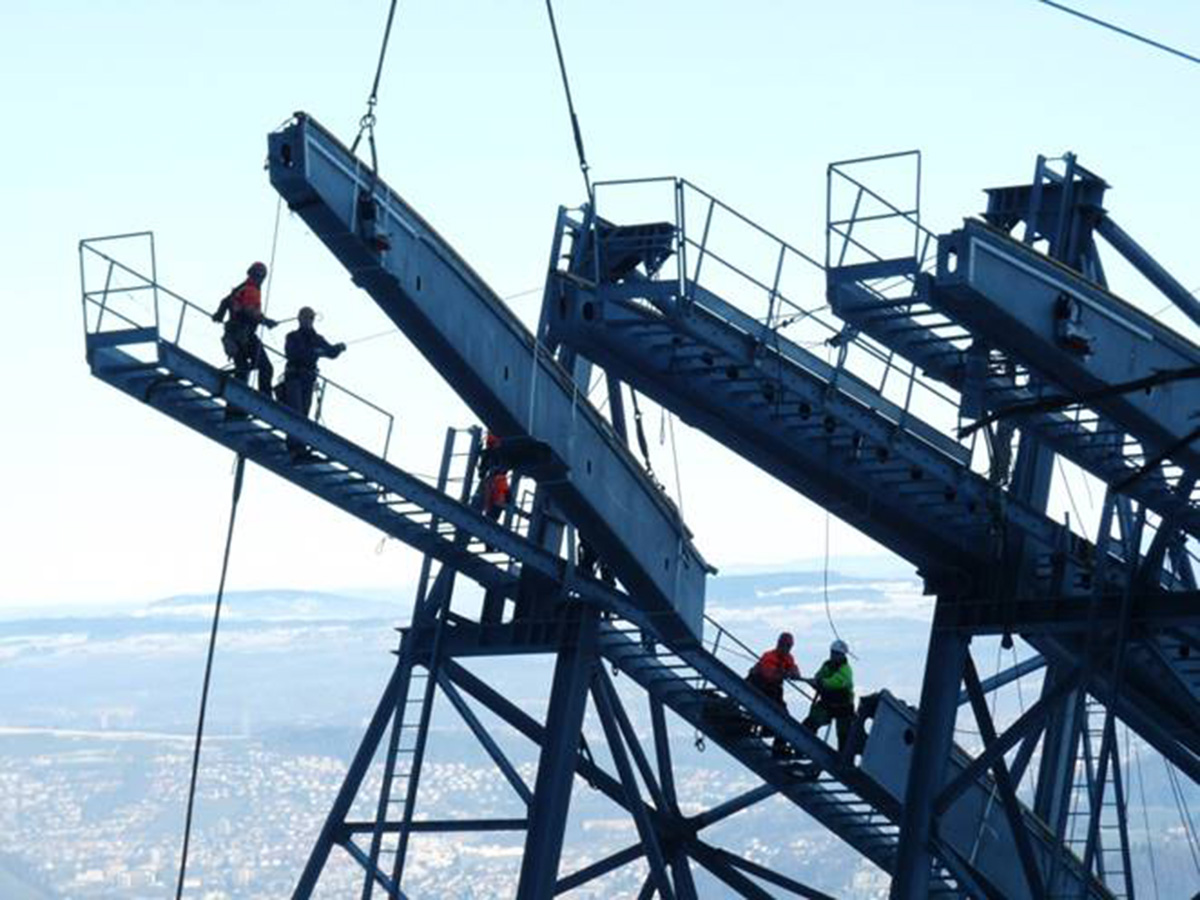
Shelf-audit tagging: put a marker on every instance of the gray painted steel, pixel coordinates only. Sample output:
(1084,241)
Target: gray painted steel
(494,363)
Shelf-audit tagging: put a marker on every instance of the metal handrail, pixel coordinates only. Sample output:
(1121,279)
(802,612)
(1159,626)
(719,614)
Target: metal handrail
(100,298)
(778,301)
(750,654)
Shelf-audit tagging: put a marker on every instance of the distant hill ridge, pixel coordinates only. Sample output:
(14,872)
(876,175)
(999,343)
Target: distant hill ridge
(282,604)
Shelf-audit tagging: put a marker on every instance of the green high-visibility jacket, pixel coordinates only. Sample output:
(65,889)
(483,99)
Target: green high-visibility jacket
(836,683)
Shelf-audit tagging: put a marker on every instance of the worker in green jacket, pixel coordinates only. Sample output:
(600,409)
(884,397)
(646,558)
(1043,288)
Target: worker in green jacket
(834,684)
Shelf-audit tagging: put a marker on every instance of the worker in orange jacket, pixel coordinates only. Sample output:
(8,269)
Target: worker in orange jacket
(243,304)
(770,672)
(774,668)
(494,477)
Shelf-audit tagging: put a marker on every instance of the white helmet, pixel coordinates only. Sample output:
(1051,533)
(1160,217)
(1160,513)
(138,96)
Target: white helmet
(839,647)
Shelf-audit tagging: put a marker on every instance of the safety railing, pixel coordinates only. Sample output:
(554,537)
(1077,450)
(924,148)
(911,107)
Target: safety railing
(117,294)
(863,225)
(722,250)
(727,646)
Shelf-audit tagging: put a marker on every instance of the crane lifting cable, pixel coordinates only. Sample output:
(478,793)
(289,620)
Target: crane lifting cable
(238,475)
(366,125)
(562,68)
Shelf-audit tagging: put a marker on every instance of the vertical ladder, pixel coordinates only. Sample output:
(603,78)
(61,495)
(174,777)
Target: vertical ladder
(407,739)
(1112,844)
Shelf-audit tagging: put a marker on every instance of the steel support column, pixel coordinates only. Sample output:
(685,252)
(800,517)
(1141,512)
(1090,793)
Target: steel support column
(556,765)
(931,749)
(606,706)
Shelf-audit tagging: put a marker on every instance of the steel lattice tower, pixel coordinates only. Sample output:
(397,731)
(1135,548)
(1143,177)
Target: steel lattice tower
(926,406)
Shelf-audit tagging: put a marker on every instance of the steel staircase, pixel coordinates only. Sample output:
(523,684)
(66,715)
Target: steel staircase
(814,424)
(703,691)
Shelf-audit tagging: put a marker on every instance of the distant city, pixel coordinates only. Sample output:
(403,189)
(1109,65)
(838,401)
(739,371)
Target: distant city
(97,712)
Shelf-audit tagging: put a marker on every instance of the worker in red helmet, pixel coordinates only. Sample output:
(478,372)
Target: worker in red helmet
(770,672)
(243,305)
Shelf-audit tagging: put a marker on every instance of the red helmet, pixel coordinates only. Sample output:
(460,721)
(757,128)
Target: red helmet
(257,270)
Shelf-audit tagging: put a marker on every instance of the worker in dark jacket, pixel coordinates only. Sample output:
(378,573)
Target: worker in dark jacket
(770,672)
(243,305)
(834,684)
(303,348)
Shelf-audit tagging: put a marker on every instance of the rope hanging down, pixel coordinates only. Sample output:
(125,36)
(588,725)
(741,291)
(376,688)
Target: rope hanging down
(367,123)
(238,475)
(562,68)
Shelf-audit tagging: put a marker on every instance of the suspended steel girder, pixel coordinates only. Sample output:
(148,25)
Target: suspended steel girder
(493,362)
(1015,298)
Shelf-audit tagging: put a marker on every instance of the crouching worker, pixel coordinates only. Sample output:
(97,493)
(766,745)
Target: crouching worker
(834,684)
(302,349)
(769,673)
(244,307)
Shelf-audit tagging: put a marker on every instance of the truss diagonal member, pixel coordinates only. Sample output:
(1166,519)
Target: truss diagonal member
(602,695)
(1022,727)
(662,752)
(526,725)
(392,889)
(719,867)
(685,885)
(1008,796)
(600,867)
(734,805)
(632,741)
(1009,675)
(486,740)
(789,884)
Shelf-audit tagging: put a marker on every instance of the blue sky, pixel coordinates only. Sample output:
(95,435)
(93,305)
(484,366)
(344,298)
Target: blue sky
(137,115)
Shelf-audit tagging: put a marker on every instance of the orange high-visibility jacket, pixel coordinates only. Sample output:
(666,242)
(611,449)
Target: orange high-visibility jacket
(498,490)
(247,300)
(773,666)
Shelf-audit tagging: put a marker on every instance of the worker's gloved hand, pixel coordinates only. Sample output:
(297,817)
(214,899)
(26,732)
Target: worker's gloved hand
(217,316)
(270,323)
(339,348)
